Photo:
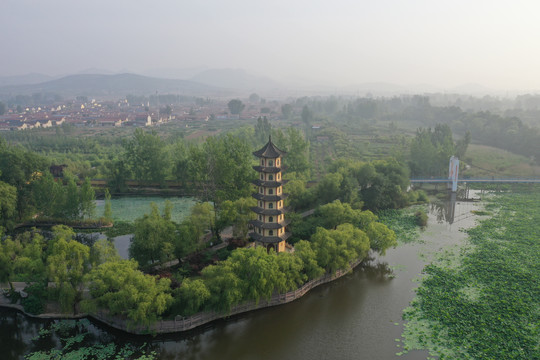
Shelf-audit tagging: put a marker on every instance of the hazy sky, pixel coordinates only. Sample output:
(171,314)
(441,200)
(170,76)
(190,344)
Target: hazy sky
(445,43)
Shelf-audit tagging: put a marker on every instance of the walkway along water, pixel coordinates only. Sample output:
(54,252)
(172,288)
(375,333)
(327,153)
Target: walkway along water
(180,324)
(357,316)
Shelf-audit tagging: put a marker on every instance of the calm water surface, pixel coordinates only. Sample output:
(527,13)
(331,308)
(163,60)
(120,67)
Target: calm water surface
(352,318)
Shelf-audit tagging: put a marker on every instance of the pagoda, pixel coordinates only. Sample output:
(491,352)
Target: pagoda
(269,227)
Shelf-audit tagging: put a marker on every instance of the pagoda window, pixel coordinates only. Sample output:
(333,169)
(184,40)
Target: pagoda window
(270,163)
(271,205)
(260,217)
(262,177)
(270,177)
(271,232)
(260,204)
(262,162)
(271,219)
(279,190)
(261,190)
(271,191)
(277,162)
(278,176)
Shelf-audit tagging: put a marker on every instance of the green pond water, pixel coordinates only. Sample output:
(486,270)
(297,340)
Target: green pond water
(131,208)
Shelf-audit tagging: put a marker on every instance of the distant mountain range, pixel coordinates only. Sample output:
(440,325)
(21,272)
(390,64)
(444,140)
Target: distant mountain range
(203,82)
(113,85)
(98,82)
(24,79)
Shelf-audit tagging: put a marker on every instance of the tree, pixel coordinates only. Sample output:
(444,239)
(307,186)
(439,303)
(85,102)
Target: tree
(336,249)
(71,207)
(117,172)
(103,251)
(330,187)
(462,145)
(307,115)
(87,197)
(380,237)
(48,195)
(19,168)
(337,213)
(254,98)
(387,187)
(431,150)
(6,263)
(67,263)
(146,157)
(305,252)
(290,267)
(263,130)
(297,148)
(167,110)
(191,296)
(107,211)
(224,286)
(221,169)
(8,205)
(236,106)
(154,238)
(123,290)
(286,110)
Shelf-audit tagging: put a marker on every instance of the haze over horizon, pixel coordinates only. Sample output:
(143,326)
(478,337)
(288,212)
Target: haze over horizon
(338,43)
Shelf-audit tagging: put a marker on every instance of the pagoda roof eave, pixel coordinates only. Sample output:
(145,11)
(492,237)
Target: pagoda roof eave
(269,151)
(261,211)
(259,196)
(271,183)
(269,239)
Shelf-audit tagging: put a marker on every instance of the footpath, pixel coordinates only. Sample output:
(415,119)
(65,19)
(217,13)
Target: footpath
(179,323)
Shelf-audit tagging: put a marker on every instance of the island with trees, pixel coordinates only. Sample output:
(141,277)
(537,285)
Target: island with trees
(348,162)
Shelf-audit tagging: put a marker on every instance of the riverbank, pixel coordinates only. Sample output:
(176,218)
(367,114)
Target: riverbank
(182,324)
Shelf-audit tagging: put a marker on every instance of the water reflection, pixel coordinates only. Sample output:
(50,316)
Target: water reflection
(445,211)
(351,318)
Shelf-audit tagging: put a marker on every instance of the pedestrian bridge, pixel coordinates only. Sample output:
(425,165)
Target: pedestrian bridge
(453,178)
(485,180)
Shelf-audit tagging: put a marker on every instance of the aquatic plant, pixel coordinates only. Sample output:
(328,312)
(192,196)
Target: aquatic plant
(403,222)
(487,305)
(74,334)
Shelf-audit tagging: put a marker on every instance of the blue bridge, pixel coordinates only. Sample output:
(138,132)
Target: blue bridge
(487,180)
(453,178)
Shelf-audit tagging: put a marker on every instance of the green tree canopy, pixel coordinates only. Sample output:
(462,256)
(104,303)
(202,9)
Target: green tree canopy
(336,249)
(67,263)
(8,205)
(154,238)
(122,289)
(236,106)
(146,157)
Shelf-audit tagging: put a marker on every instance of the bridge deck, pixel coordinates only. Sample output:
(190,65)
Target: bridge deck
(502,181)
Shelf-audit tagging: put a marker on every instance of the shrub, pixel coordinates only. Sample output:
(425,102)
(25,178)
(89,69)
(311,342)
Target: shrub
(421,218)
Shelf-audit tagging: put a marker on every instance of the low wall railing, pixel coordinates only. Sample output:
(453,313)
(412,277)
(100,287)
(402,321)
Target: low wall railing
(179,324)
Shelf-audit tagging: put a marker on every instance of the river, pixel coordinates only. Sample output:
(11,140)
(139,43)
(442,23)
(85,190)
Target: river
(355,317)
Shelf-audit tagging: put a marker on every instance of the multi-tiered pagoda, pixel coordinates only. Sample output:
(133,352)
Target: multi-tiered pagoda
(269,227)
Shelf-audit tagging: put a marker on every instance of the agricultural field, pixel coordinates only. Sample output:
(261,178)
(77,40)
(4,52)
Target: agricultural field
(487,161)
(483,301)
